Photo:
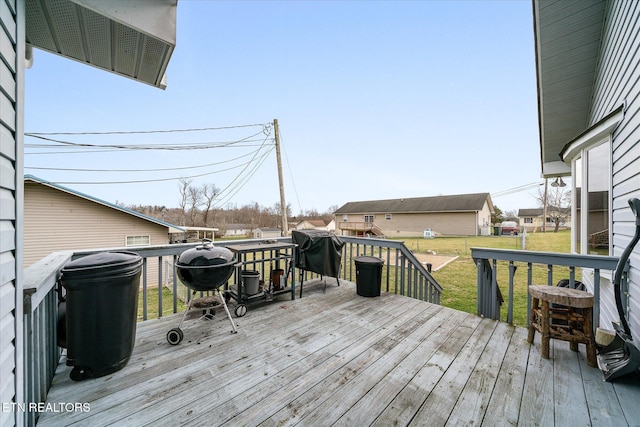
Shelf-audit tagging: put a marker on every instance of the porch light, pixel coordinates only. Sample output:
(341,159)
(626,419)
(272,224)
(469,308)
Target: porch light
(558,183)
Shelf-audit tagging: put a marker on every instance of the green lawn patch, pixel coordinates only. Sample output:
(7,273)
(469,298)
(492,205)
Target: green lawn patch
(458,278)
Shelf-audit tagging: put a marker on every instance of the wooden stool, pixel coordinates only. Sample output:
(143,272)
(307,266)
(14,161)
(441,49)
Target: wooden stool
(577,326)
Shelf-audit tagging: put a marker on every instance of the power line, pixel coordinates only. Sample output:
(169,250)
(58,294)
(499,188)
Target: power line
(139,181)
(293,183)
(247,169)
(516,189)
(139,170)
(236,184)
(263,125)
(196,146)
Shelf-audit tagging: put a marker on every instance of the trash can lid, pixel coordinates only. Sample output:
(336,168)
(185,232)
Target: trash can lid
(102,264)
(366,259)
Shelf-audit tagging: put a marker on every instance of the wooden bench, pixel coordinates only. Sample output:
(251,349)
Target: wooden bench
(576,311)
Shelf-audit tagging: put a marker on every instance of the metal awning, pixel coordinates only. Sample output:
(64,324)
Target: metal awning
(567,43)
(133,38)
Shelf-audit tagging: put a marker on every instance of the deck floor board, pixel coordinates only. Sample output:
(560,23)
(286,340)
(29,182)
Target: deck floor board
(335,358)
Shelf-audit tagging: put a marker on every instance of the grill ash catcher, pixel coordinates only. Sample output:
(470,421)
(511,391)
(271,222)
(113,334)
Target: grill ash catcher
(202,269)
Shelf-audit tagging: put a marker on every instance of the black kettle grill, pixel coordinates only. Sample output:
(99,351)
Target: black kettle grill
(202,269)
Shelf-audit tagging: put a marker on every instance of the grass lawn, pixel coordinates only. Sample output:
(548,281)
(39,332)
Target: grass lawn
(458,278)
(152,303)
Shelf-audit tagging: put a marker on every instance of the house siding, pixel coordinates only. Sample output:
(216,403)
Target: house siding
(617,82)
(57,221)
(11,130)
(444,223)
(454,215)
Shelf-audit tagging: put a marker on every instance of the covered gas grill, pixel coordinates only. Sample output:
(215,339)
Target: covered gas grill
(202,269)
(318,251)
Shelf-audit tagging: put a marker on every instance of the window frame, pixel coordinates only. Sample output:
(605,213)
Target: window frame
(577,150)
(137,236)
(582,156)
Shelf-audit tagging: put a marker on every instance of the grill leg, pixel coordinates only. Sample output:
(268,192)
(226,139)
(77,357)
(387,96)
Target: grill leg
(226,309)
(193,295)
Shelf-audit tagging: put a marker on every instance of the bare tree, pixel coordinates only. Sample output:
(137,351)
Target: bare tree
(558,200)
(184,184)
(194,196)
(209,193)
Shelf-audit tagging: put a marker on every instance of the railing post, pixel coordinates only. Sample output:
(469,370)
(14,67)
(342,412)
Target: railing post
(160,287)
(596,299)
(529,283)
(495,307)
(483,287)
(512,272)
(145,308)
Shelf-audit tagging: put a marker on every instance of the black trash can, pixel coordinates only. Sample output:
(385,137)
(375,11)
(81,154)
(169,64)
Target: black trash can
(101,312)
(368,275)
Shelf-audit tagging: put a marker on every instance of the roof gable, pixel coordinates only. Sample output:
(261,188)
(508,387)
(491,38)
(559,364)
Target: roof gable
(452,203)
(172,228)
(530,212)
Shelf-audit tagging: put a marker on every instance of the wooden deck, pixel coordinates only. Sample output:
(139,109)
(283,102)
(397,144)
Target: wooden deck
(340,359)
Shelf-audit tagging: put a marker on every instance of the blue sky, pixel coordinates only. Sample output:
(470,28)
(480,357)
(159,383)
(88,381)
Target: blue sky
(374,100)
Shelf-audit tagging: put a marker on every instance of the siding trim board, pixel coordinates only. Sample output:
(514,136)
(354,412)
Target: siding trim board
(11,130)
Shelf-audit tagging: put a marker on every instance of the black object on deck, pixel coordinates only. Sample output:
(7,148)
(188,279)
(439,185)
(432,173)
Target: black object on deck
(368,275)
(622,357)
(318,251)
(101,312)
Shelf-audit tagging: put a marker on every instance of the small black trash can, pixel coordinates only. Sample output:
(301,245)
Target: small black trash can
(101,312)
(368,275)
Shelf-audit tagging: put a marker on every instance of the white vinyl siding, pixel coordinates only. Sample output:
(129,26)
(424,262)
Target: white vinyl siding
(442,223)
(59,221)
(618,83)
(11,95)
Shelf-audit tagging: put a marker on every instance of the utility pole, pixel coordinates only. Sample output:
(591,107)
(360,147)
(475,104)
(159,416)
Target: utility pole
(283,204)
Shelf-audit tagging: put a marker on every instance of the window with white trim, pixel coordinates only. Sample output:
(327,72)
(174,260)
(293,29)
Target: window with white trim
(387,217)
(591,159)
(368,218)
(138,241)
(592,172)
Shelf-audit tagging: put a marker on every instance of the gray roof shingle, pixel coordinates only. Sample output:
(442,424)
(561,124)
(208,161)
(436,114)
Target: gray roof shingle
(454,203)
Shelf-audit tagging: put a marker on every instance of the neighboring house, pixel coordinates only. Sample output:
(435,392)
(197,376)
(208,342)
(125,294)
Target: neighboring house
(83,30)
(193,234)
(312,224)
(587,64)
(267,233)
(57,218)
(455,215)
(236,230)
(532,219)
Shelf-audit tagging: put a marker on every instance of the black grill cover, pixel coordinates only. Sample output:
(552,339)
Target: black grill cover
(318,251)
